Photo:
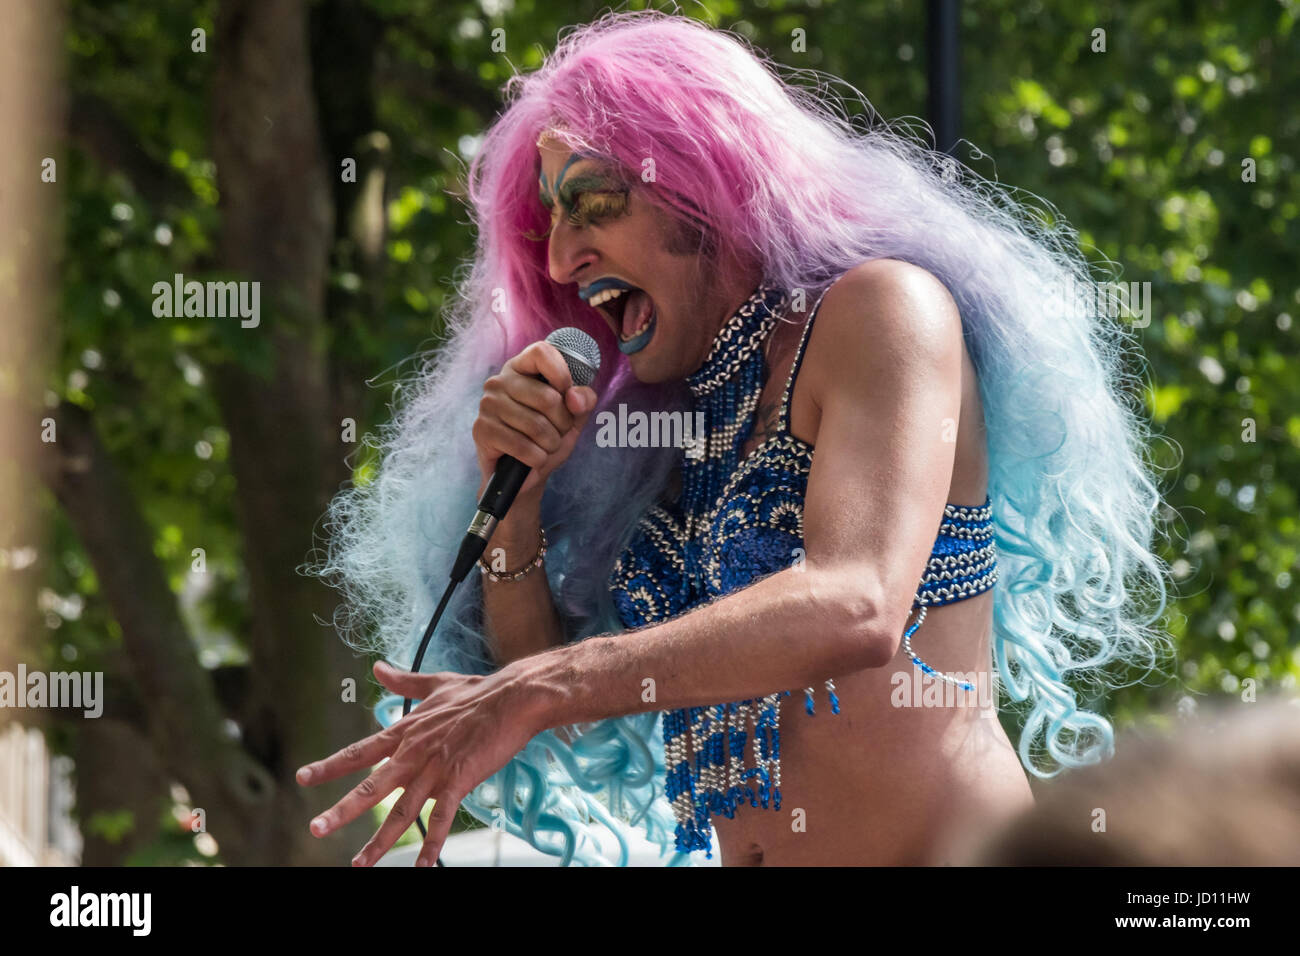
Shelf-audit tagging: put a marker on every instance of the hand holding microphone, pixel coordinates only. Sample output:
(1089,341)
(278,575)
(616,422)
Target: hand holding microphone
(534,409)
(530,417)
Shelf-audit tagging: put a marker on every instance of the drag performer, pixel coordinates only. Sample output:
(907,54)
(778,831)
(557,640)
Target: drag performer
(919,488)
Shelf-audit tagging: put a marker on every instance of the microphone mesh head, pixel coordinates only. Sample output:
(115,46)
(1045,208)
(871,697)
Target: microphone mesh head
(580,352)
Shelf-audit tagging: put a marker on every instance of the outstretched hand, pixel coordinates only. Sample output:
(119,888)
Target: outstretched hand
(463,729)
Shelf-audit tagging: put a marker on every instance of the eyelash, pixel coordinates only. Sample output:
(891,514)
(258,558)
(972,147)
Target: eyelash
(590,207)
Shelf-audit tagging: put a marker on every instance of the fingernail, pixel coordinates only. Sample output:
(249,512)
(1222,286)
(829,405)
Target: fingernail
(422,861)
(318,826)
(304,774)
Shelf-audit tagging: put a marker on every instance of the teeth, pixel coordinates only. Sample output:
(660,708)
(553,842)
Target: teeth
(635,332)
(601,297)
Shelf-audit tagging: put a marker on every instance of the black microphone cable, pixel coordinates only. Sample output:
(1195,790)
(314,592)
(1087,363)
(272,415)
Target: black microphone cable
(471,549)
(415,668)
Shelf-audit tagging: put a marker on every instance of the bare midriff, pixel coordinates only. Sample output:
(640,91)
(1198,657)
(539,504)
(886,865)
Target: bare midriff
(888,780)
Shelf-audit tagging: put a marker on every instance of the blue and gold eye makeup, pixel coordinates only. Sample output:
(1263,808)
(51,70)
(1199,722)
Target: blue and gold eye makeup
(586,198)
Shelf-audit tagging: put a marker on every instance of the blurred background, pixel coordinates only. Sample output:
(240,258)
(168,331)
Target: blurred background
(163,476)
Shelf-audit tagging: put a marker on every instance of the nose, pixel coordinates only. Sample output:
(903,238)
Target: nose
(569,251)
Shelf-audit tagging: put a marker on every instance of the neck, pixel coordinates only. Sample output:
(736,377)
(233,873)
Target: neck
(735,287)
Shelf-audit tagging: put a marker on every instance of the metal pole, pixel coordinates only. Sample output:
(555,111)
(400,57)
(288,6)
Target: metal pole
(943,66)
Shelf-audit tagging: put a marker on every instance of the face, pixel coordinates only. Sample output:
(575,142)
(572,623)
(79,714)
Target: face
(640,269)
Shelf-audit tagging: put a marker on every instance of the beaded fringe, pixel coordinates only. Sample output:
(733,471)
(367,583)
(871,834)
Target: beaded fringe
(718,781)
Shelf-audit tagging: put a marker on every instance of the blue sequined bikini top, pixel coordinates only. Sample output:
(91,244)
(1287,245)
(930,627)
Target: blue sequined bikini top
(737,520)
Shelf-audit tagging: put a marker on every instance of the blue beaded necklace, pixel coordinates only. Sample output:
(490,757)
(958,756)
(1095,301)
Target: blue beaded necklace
(727,388)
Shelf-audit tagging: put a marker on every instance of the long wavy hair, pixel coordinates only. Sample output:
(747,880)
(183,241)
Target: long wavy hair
(765,170)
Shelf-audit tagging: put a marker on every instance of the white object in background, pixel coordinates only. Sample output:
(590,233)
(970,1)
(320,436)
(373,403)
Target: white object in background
(488,847)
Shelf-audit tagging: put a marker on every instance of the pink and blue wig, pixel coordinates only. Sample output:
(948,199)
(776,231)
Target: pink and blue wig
(777,174)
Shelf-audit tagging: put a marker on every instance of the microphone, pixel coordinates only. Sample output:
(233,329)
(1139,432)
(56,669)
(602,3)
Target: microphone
(582,356)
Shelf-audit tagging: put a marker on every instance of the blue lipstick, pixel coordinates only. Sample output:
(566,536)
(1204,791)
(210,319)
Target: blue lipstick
(600,285)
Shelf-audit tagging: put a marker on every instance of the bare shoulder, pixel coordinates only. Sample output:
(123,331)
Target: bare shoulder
(886,320)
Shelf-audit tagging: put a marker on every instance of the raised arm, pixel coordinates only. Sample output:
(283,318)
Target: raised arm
(883,368)
(538,423)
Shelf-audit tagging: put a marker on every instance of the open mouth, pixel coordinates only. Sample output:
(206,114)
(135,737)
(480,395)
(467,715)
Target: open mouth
(630,311)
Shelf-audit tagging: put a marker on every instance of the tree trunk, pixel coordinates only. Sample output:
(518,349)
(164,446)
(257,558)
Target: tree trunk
(277,228)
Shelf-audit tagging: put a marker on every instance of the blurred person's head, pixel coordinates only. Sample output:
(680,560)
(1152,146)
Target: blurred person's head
(1220,789)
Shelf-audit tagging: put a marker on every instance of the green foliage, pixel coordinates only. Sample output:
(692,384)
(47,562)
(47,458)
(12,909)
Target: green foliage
(176,843)
(112,826)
